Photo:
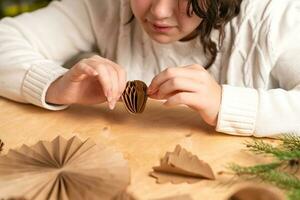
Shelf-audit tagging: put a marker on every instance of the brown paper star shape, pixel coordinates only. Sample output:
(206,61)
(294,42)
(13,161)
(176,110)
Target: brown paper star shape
(181,166)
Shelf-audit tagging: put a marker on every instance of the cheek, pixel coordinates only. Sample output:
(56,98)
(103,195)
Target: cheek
(139,8)
(189,24)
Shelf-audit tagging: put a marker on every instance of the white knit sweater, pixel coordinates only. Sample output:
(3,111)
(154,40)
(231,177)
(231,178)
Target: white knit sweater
(258,65)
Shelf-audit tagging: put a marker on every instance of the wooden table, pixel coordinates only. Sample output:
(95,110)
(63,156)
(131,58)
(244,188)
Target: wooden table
(143,139)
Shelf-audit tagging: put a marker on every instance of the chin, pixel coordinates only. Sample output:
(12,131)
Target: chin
(163,39)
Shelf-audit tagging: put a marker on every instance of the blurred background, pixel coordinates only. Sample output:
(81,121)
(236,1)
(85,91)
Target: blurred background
(11,8)
(16,7)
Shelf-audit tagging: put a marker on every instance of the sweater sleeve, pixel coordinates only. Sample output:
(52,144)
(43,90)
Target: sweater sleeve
(269,113)
(34,46)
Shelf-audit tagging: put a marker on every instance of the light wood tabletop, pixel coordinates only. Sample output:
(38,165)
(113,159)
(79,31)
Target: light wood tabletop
(143,139)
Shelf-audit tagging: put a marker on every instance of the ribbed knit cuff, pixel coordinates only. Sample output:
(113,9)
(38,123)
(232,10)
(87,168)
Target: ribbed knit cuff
(37,81)
(237,115)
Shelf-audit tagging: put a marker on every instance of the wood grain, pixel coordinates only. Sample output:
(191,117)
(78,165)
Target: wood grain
(143,139)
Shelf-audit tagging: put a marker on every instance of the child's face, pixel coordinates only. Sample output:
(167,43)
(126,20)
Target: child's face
(165,21)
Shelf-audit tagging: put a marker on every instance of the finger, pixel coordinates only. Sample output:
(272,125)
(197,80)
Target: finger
(81,71)
(199,73)
(183,98)
(122,81)
(177,84)
(157,97)
(196,67)
(113,79)
(114,85)
(103,77)
(169,74)
(120,71)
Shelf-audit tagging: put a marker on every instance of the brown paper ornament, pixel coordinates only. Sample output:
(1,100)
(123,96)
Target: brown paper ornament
(64,170)
(181,166)
(1,146)
(135,96)
(253,192)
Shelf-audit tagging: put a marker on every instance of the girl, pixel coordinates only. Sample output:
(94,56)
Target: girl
(236,63)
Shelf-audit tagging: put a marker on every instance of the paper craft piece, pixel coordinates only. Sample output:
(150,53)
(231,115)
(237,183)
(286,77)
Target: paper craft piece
(257,193)
(181,166)
(135,96)
(63,170)
(1,146)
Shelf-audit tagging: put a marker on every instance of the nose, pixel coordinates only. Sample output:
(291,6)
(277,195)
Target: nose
(162,9)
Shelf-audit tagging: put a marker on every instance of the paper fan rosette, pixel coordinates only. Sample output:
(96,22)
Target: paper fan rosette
(63,169)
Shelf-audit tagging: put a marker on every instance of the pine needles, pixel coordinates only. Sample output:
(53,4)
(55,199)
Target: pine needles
(282,171)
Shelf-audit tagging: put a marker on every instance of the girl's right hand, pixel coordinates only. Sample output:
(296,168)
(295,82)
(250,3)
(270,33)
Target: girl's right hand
(91,81)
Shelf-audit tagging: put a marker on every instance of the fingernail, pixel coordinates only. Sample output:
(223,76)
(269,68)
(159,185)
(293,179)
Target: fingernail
(109,99)
(95,73)
(112,105)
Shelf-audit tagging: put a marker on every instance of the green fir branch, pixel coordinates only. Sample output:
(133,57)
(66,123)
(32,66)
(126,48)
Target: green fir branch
(293,194)
(281,179)
(291,142)
(285,155)
(261,147)
(253,170)
(268,173)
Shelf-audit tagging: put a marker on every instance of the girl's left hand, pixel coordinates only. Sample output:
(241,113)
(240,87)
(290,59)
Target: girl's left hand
(192,86)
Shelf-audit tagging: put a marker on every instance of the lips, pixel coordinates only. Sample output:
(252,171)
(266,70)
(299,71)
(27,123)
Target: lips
(161,27)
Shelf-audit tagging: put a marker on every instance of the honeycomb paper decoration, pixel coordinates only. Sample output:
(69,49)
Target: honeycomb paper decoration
(135,96)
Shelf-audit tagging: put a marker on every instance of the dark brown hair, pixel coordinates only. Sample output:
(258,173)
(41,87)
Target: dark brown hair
(215,15)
